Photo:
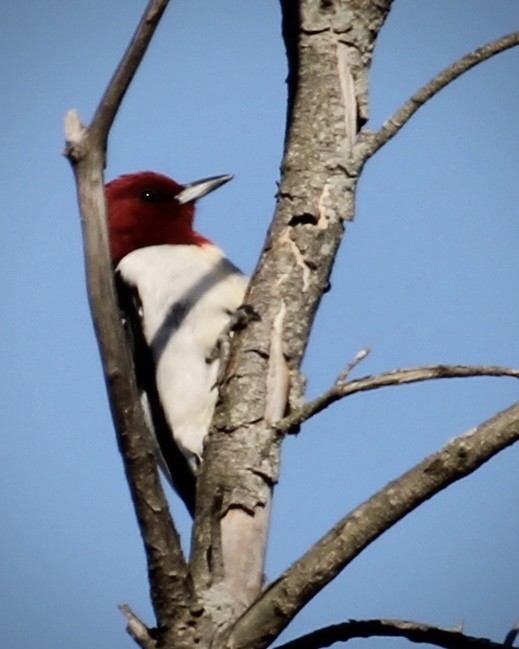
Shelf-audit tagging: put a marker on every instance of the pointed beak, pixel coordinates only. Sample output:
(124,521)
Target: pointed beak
(194,191)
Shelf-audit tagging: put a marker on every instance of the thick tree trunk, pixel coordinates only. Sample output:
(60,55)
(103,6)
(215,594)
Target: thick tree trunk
(329,47)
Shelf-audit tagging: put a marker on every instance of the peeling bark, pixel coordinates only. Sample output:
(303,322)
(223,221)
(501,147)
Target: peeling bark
(329,48)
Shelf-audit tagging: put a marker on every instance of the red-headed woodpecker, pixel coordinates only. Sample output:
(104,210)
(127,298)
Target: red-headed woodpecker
(177,292)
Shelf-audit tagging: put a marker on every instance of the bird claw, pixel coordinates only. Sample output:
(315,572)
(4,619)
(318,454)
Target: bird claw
(241,318)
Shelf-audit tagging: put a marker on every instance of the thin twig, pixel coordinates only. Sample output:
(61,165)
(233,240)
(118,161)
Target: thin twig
(123,75)
(137,629)
(394,377)
(357,359)
(413,631)
(375,141)
(512,635)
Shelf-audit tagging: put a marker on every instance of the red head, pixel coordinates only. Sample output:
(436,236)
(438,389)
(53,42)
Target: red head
(147,209)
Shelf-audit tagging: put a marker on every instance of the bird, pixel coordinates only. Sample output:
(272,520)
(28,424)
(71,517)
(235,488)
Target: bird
(177,293)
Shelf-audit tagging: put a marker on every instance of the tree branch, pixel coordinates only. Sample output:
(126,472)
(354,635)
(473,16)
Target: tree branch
(265,619)
(137,629)
(171,590)
(124,73)
(374,141)
(413,631)
(343,389)
(512,635)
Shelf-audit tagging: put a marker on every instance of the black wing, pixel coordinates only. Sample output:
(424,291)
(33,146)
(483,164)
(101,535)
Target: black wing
(175,466)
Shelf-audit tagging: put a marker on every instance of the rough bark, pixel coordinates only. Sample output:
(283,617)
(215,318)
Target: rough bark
(329,47)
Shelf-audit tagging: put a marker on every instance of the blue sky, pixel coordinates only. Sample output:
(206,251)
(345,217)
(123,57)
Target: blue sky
(427,274)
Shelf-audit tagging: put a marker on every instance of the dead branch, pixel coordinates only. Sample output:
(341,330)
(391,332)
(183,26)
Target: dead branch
(374,141)
(112,98)
(85,150)
(512,635)
(277,606)
(343,389)
(137,629)
(413,631)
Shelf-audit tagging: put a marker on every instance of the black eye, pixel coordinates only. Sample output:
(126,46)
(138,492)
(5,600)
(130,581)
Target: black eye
(150,196)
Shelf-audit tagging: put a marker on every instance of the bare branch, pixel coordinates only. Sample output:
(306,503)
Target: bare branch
(279,603)
(395,377)
(390,128)
(137,629)
(170,586)
(512,635)
(123,75)
(356,360)
(413,631)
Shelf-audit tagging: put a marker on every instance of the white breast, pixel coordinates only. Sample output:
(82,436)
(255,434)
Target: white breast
(188,294)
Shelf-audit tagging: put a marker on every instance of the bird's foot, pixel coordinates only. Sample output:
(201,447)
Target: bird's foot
(240,319)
